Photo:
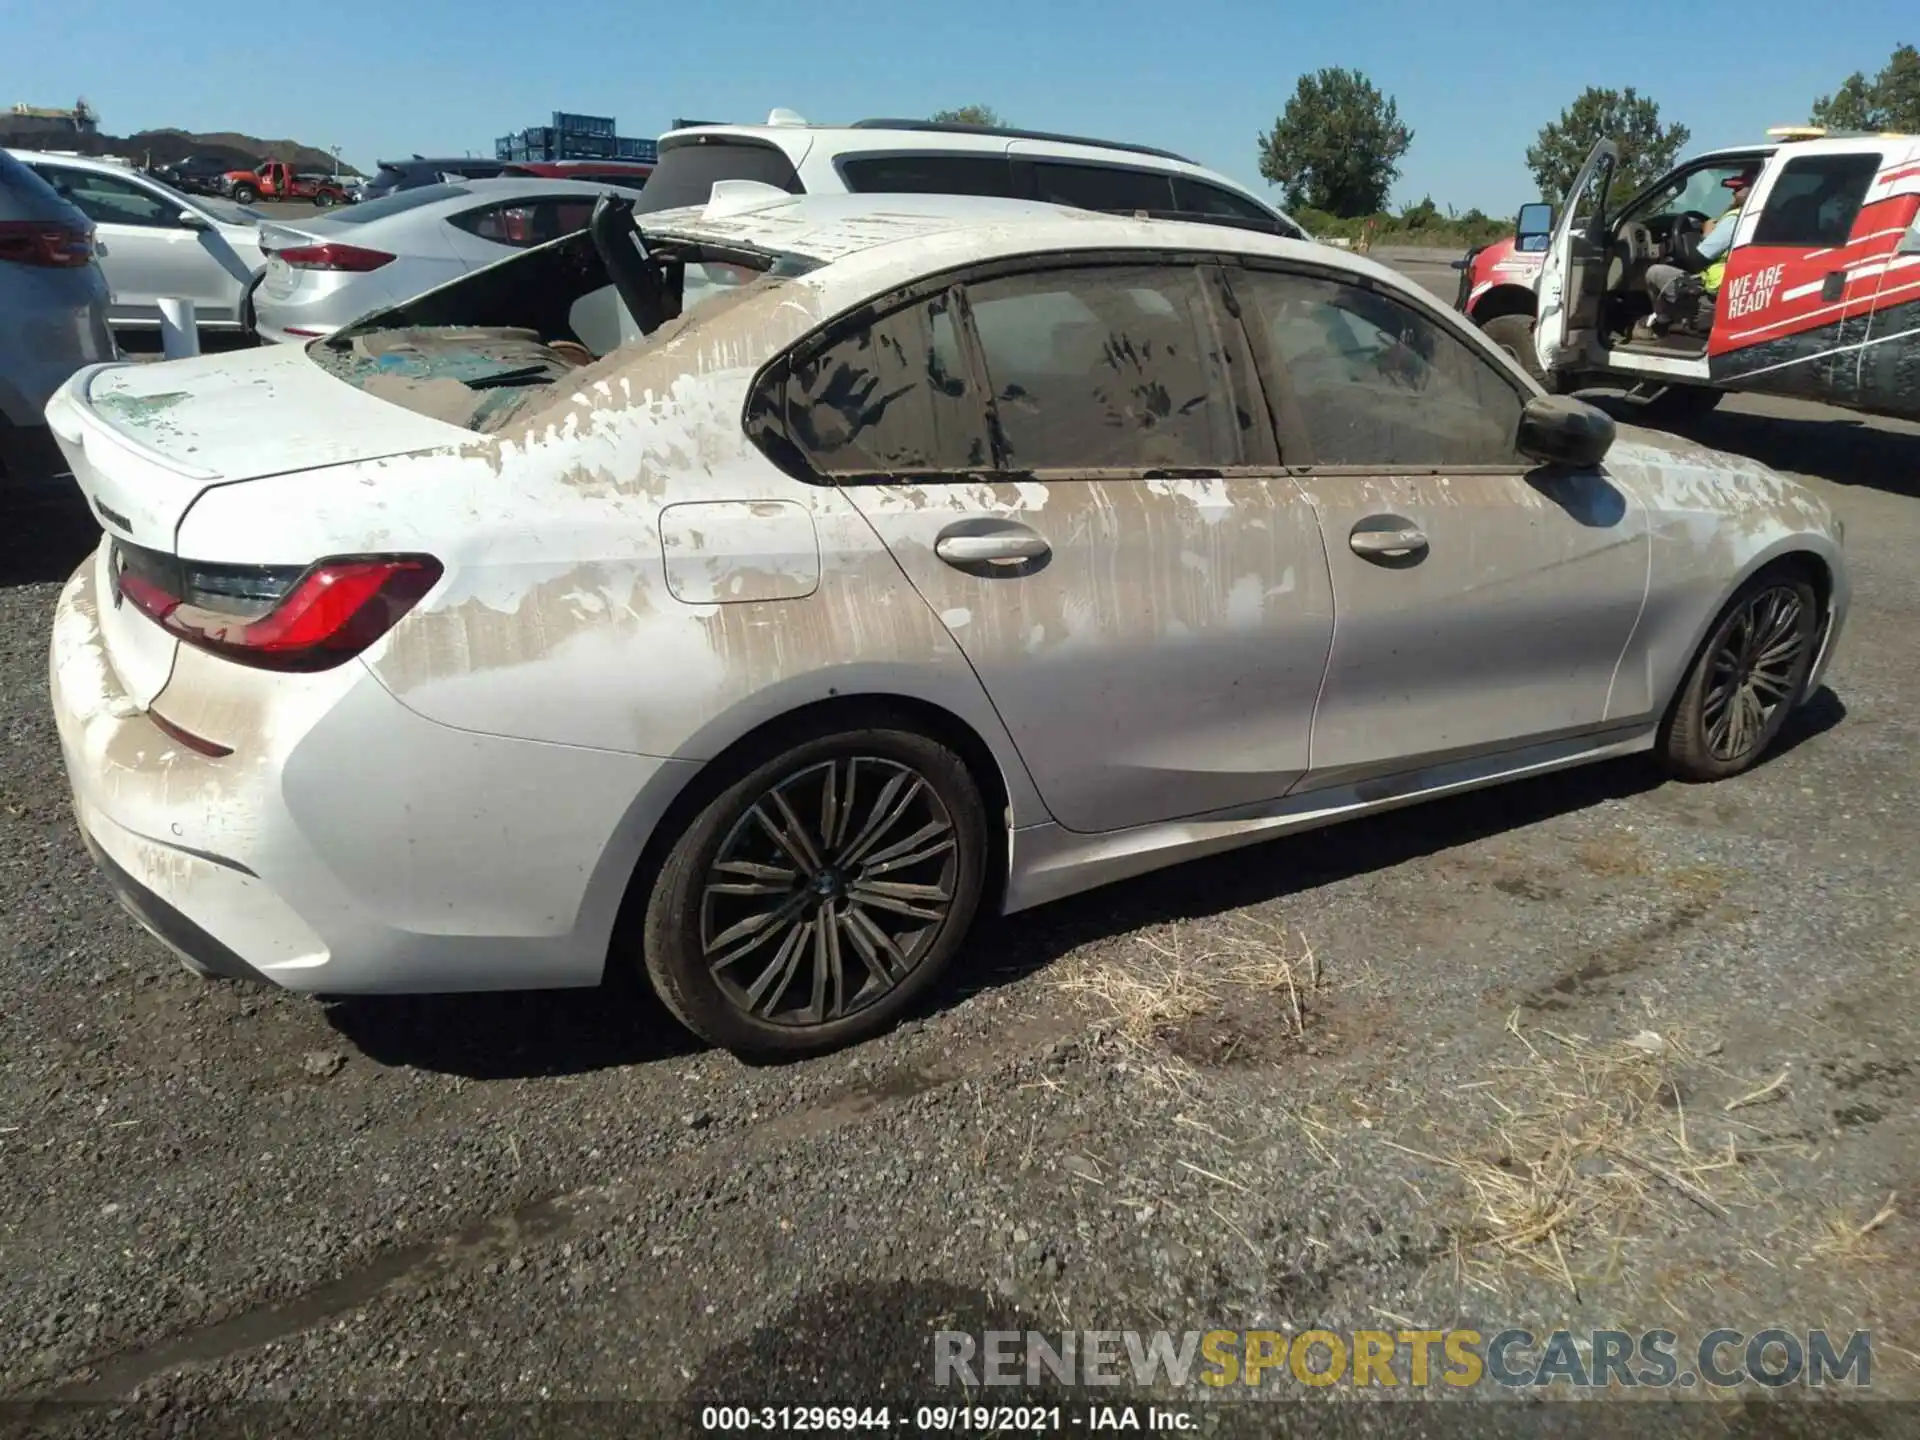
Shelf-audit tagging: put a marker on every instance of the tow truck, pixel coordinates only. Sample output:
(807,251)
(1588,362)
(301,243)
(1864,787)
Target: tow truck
(1820,298)
(277,180)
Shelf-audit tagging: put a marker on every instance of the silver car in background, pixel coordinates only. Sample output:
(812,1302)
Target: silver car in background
(325,273)
(155,243)
(53,311)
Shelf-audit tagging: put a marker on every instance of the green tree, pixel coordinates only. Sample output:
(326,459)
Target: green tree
(1889,101)
(969,115)
(1422,216)
(1628,118)
(1337,146)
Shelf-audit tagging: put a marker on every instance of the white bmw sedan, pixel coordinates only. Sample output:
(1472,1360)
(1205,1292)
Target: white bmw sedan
(748,599)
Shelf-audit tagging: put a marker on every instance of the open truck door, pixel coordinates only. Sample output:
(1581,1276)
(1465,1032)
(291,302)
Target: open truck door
(1573,279)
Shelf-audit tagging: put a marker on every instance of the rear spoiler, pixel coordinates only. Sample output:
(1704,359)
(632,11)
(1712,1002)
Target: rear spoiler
(275,237)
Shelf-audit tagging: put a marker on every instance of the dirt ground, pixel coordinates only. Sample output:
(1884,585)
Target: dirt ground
(1593,1052)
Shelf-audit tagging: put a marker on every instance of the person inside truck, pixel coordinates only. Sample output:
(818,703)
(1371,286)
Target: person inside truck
(1668,284)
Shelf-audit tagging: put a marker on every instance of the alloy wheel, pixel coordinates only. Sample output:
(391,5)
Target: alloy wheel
(1753,671)
(829,891)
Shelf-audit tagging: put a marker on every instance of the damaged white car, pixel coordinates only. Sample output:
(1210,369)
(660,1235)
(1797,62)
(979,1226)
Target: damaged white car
(749,599)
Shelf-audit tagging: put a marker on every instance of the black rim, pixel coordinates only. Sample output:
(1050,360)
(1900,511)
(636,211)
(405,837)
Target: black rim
(828,892)
(1753,670)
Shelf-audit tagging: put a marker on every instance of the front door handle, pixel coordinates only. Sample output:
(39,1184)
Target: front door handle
(1002,545)
(1400,542)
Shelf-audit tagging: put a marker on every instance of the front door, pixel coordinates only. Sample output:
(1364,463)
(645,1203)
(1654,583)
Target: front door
(1573,278)
(1483,603)
(1794,306)
(1097,517)
(146,253)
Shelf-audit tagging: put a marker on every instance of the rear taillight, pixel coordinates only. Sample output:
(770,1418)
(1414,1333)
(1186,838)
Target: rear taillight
(334,257)
(276,617)
(45,243)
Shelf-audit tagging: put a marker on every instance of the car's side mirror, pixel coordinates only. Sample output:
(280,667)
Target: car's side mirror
(1560,430)
(193,220)
(1535,223)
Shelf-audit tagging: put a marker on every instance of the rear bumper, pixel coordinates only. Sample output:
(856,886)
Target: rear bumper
(346,845)
(171,927)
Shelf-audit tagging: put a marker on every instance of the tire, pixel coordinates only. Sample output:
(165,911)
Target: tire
(747,1002)
(1678,403)
(323,201)
(1697,740)
(245,195)
(1514,334)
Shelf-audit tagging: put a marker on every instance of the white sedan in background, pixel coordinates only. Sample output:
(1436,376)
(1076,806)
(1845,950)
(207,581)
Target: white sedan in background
(154,243)
(327,272)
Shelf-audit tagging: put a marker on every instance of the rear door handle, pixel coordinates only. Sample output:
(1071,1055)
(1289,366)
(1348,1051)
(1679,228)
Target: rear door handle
(1002,545)
(1401,542)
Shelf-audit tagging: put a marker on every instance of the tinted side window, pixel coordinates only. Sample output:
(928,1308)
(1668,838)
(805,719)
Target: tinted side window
(1105,368)
(1376,382)
(889,397)
(525,223)
(928,174)
(1103,187)
(1814,200)
(106,200)
(1204,199)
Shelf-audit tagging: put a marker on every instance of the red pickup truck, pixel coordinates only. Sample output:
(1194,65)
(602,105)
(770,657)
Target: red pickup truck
(276,180)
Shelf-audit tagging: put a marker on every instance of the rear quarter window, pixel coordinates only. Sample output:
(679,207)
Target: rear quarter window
(1201,198)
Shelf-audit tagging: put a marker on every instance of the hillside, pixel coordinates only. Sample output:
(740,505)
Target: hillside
(167,146)
(163,147)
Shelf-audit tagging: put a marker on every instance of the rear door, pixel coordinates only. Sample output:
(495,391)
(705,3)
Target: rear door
(1065,462)
(1573,278)
(1484,602)
(1798,293)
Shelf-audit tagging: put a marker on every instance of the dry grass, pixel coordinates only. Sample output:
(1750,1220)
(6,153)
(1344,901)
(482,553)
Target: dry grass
(1169,978)
(1844,1238)
(1583,1142)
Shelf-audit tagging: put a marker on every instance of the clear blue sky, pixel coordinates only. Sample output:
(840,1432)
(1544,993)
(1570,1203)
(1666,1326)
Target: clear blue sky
(1203,77)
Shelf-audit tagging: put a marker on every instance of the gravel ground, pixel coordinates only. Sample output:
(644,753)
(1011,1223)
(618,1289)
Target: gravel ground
(1373,1051)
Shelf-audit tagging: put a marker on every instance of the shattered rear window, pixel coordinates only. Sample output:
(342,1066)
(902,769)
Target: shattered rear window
(483,350)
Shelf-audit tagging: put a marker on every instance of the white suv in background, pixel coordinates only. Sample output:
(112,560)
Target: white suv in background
(940,158)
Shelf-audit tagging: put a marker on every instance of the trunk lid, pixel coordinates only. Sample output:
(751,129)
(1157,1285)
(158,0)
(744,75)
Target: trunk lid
(144,441)
(275,236)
